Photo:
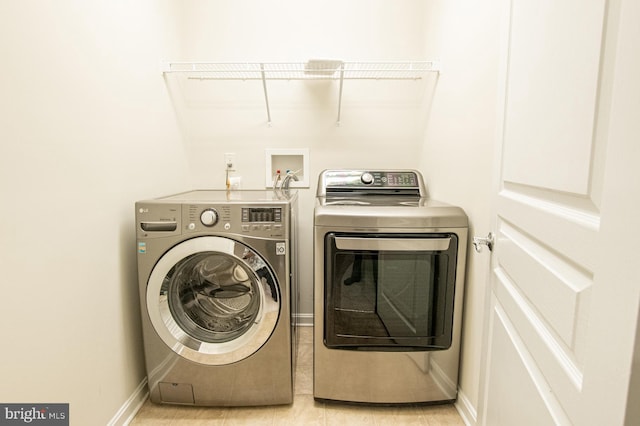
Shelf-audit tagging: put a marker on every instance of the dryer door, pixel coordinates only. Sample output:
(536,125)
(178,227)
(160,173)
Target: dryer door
(213,300)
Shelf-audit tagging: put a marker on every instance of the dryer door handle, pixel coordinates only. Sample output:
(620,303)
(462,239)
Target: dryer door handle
(393,244)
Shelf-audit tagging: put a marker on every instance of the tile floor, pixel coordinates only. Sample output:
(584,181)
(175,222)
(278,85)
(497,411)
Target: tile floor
(304,410)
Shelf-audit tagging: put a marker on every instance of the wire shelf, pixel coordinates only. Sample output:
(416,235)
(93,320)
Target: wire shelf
(314,69)
(311,70)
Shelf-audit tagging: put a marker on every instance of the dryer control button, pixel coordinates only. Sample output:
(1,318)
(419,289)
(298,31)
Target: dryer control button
(191,226)
(367,178)
(209,217)
(227,226)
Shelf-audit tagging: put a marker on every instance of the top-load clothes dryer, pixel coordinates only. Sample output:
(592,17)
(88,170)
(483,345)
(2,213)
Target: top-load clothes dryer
(217,281)
(388,283)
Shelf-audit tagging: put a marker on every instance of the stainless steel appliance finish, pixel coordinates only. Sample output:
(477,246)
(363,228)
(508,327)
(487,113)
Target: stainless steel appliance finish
(388,285)
(217,281)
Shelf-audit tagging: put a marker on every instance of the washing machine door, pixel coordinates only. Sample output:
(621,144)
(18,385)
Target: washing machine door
(213,300)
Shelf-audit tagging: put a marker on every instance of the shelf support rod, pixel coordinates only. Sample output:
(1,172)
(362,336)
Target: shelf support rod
(266,96)
(340,93)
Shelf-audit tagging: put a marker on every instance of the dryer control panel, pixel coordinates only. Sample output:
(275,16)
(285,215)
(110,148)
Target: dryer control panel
(379,182)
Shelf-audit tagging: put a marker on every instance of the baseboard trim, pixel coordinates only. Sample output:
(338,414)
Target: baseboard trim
(130,408)
(466,409)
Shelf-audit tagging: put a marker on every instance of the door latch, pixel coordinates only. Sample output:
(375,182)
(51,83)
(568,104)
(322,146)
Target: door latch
(478,242)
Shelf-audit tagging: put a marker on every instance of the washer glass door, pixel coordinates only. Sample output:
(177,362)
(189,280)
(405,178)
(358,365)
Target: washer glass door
(213,300)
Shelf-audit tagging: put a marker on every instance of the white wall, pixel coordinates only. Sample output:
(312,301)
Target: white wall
(381,123)
(86,128)
(457,159)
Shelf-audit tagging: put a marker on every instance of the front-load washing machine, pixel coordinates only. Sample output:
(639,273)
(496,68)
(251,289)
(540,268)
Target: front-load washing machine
(217,281)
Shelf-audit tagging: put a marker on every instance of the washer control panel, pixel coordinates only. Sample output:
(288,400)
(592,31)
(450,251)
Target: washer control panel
(259,220)
(258,214)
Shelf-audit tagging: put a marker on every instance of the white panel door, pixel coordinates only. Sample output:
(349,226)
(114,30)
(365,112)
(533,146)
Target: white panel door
(561,325)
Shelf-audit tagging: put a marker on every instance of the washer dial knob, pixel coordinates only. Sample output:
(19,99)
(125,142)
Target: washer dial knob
(209,217)
(367,178)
